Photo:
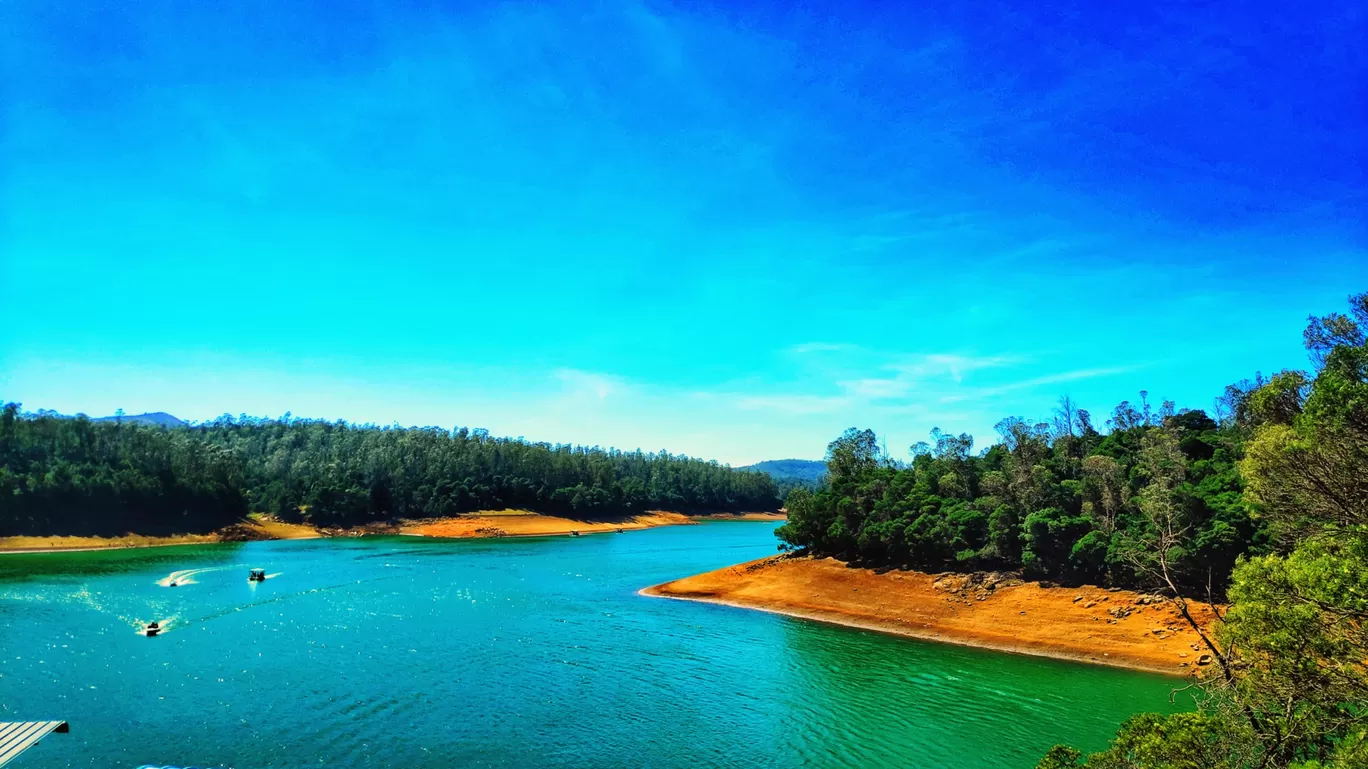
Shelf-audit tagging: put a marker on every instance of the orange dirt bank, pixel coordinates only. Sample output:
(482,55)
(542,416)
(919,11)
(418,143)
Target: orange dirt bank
(1090,624)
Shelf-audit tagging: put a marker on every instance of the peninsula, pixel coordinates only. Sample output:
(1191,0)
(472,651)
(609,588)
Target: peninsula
(1114,627)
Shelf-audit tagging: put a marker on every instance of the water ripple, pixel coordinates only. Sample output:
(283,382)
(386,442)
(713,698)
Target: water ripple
(398,652)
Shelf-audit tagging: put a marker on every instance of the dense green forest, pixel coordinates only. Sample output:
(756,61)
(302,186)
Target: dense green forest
(63,475)
(1263,504)
(1060,500)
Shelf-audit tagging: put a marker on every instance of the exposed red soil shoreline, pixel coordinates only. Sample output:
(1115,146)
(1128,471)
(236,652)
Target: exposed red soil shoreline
(500,523)
(1088,624)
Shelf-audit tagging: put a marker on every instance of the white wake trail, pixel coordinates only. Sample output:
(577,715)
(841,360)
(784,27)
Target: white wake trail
(187,576)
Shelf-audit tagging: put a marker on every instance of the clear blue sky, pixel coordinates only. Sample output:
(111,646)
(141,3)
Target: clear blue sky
(730,230)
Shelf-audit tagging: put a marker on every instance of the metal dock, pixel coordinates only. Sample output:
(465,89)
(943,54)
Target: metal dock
(18,736)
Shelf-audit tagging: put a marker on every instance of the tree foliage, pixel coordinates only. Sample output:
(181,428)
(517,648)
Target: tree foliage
(1058,499)
(77,476)
(1292,686)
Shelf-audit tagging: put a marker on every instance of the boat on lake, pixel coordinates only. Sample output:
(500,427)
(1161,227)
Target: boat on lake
(257,575)
(152,629)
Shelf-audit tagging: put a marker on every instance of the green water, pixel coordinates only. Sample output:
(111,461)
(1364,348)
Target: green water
(401,652)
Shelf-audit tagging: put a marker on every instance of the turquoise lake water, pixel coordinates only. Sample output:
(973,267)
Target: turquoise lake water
(405,652)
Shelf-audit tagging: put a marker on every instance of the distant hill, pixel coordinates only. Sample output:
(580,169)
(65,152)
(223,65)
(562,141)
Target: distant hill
(158,418)
(806,472)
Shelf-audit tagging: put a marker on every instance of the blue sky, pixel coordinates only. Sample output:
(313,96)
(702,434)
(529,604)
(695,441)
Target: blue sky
(730,230)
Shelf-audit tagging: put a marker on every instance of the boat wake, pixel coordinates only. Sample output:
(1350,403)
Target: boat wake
(285,597)
(140,626)
(187,576)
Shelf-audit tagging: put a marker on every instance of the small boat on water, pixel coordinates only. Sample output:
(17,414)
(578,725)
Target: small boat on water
(257,575)
(152,629)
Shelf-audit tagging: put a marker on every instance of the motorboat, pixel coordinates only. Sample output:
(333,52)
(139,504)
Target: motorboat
(152,629)
(257,575)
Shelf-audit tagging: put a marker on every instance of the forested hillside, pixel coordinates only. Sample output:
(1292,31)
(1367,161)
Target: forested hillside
(77,476)
(1062,499)
(789,474)
(158,418)
(795,469)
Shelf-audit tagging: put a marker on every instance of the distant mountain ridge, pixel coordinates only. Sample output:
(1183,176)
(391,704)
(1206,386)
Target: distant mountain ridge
(157,418)
(808,472)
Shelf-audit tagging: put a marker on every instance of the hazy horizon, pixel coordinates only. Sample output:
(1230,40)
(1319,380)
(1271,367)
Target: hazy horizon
(732,233)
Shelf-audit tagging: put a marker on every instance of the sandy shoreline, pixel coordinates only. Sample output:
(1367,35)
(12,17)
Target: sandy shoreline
(535,525)
(489,524)
(1086,624)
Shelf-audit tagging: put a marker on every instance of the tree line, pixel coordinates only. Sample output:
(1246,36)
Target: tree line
(62,475)
(1060,499)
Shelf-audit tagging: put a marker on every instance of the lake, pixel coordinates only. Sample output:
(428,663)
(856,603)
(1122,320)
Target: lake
(408,652)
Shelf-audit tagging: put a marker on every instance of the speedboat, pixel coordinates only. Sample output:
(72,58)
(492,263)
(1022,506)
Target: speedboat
(152,629)
(257,575)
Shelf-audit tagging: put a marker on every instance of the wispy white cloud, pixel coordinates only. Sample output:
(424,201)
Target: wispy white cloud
(954,365)
(917,387)
(793,405)
(911,375)
(893,383)
(589,383)
(876,388)
(1027,384)
(814,347)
